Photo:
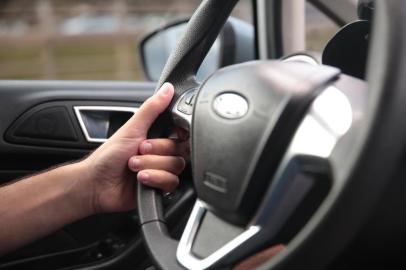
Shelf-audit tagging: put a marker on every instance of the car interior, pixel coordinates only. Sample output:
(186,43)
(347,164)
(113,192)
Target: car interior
(290,144)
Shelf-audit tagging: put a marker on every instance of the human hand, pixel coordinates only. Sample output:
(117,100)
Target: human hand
(110,182)
(161,161)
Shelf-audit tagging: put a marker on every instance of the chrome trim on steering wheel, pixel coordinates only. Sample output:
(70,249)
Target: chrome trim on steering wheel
(184,251)
(328,119)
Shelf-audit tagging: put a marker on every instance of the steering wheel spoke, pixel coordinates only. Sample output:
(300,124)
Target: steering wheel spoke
(306,170)
(201,247)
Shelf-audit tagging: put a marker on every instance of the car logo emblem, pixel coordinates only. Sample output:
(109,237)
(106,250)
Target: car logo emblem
(230,106)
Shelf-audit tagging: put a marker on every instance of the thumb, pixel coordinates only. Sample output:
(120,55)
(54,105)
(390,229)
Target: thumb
(142,120)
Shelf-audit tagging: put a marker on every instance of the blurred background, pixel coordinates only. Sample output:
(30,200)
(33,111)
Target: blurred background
(98,39)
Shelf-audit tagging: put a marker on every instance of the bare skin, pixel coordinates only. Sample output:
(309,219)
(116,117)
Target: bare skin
(105,181)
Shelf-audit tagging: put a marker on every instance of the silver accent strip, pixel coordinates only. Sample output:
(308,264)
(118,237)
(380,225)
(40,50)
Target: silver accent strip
(78,114)
(184,252)
(328,119)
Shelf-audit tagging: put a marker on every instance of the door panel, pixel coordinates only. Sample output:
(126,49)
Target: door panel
(32,139)
(21,155)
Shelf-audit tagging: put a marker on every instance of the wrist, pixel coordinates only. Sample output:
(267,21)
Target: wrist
(79,188)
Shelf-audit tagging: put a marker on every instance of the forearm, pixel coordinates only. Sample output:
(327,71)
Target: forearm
(38,205)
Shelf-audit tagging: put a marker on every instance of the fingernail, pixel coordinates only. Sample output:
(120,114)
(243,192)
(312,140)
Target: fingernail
(135,163)
(146,147)
(164,89)
(143,177)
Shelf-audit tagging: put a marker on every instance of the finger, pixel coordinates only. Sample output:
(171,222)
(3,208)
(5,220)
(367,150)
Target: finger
(171,164)
(158,179)
(164,147)
(142,120)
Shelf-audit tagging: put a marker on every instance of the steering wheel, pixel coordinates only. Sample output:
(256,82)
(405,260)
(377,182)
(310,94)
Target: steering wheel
(282,151)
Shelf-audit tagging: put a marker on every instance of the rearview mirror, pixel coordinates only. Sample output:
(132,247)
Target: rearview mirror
(235,44)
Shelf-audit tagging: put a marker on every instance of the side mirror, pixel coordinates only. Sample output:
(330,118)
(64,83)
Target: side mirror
(235,44)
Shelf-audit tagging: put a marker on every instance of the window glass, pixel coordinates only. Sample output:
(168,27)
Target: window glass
(319,29)
(84,39)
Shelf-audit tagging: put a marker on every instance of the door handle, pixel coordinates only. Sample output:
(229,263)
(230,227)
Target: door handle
(98,123)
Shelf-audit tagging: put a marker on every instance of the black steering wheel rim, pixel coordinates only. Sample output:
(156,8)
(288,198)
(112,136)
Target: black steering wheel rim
(180,70)
(314,246)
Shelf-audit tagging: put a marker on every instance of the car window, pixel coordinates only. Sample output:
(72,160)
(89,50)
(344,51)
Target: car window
(84,39)
(319,28)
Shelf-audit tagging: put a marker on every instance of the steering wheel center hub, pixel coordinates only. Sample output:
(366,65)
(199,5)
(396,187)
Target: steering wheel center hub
(247,114)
